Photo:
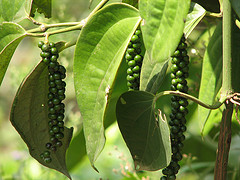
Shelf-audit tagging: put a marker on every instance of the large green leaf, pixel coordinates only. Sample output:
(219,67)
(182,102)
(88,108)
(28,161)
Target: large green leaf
(41,6)
(77,149)
(11,35)
(29,116)
(211,76)
(12,10)
(144,130)
(98,54)
(195,15)
(162,28)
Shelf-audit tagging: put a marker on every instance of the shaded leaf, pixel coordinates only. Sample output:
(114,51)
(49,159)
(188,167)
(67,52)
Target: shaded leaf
(12,10)
(195,15)
(236,6)
(211,76)
(152,74)
(209,5)
(11,35)
(131,2)
(76,151)
(41,6)
(162,28)
(29,116)
(145,132)
(98,54)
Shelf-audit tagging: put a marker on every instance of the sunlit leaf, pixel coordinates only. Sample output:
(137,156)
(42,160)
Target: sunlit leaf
(12,10)
(195,15)
(162,28)
(98,54)
(144,130)
(11,35)
(211,76)
(29,116)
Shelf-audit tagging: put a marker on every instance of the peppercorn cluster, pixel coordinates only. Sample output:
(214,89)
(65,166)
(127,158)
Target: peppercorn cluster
(56,95)
(179,73)
(134,61)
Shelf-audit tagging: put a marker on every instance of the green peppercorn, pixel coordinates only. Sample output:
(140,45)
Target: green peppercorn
(48,145)
(60,124)
(54,50)
(45,47)
(58,143)
(47,160)
(55,129)
(132,63)
(135,38)
(130,78)
(40,44)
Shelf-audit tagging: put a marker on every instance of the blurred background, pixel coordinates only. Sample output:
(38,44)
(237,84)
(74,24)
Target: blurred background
(115,162)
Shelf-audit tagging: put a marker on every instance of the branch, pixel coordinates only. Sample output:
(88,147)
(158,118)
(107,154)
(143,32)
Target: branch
(194,99)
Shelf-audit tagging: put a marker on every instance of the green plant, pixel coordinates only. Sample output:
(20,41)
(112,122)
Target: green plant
(125,46)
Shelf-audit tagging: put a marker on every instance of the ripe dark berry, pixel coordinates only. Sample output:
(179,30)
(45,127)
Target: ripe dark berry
(59,144)
(47,160)
(46,154)
(59,135)
(48,145)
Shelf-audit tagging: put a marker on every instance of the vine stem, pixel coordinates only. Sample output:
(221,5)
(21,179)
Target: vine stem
(224,141)
(192,98)
(74,25)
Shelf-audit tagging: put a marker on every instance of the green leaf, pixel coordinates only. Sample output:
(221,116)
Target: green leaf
(236,6)
(41,6)
(162,28)
(236,59)
(152,75)
(195,15)
(98,54)
(144,130)
(77,149)
(29,116)
(211,76)
(11,35)
(12,10)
